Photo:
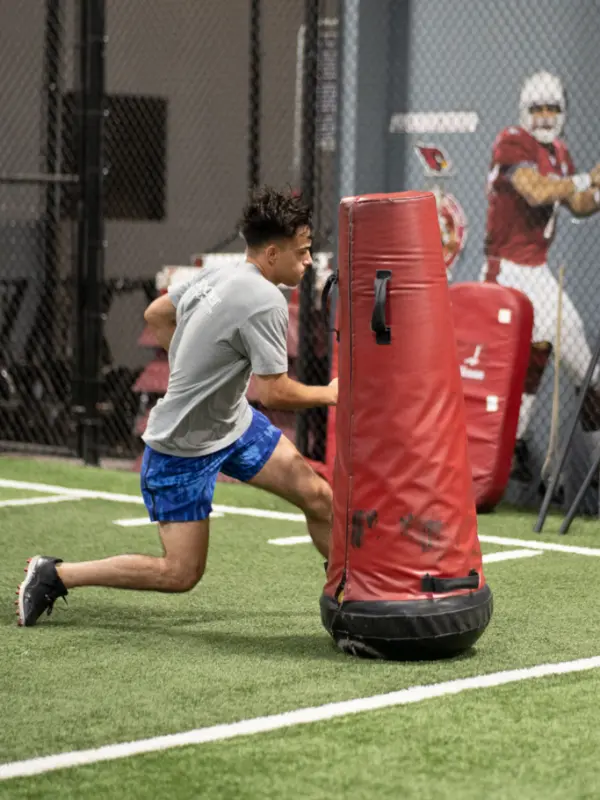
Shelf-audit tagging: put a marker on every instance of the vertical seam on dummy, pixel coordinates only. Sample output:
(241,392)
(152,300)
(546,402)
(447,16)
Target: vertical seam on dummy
(350,384)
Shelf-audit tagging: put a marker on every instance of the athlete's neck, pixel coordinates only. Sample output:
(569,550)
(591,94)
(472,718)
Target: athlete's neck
(261,265)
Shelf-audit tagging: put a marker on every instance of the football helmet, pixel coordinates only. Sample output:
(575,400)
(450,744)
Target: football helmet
(543,89)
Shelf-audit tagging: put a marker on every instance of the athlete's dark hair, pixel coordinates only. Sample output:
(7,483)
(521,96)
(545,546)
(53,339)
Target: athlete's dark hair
(270,215)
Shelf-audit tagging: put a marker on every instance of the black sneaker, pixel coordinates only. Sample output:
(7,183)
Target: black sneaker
(39,590)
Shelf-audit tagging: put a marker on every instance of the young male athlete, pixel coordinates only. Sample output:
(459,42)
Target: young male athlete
(218,328)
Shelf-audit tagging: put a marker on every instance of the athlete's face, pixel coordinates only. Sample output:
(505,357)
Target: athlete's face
(544,117)
(291,257)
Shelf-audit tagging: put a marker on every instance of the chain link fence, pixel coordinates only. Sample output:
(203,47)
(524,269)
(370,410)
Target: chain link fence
(36,237)
(331,97)
(197,108)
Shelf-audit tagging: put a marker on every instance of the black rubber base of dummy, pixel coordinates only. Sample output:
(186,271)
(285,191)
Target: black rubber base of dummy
(408,630)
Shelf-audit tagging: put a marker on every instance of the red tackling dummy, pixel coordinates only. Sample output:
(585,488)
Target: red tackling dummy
(493,327)
(405,576)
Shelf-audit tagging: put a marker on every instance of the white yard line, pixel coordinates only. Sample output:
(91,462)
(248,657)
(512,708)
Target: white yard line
(220,511)
(134,522)
(37,501)
(88,494)
(286,541)
(302,716)
(138,522)
(278,515)
(84,494)
(508,555)
(260,512)
(535,545)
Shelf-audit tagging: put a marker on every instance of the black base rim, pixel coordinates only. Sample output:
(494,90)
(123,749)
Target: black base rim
(407,630)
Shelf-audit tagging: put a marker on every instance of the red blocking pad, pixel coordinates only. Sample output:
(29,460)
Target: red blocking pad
(493,327)
(405,574)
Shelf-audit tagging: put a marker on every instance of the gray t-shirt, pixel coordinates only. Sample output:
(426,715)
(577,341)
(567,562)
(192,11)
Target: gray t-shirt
(230,322)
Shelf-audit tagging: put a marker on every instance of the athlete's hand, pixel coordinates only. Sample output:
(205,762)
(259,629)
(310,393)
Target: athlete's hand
(595,175)
(333,386)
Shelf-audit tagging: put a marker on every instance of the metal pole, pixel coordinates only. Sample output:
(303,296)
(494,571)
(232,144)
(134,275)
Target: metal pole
(570,515)
(346,127)
(78,263)
(348,98)
(309,143)
(41,339)
(91,228)
(255,94)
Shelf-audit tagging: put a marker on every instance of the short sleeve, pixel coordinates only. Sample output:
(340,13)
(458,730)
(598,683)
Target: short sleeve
(177,291)
(264,338)
(513,148)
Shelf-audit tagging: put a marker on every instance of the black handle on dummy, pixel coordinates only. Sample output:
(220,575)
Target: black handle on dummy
(383,333)
(332,280)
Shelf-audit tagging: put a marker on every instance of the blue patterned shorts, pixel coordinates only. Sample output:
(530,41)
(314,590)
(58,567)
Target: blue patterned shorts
(180,489)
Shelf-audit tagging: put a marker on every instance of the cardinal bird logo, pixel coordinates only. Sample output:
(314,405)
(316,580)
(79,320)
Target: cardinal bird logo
(434,160)
(453,222)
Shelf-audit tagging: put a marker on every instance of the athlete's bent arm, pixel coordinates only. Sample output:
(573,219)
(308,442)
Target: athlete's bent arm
(540,190)
(283,393)
(160,316)
(577,193)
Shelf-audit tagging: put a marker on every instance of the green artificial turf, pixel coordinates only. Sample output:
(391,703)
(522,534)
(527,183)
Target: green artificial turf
(118,666)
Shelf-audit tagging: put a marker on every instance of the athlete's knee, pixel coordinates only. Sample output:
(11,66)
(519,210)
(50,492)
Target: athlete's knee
(181,576)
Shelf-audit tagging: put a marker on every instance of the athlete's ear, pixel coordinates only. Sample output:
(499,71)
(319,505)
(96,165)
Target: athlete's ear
(272,251)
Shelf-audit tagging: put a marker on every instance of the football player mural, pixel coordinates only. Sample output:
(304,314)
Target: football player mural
(531,176)
(453,223)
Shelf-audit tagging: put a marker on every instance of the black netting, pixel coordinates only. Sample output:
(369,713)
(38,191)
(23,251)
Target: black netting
(202,101)
(36,240)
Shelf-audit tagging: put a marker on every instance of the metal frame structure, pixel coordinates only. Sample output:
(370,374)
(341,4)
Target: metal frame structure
(556,472)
